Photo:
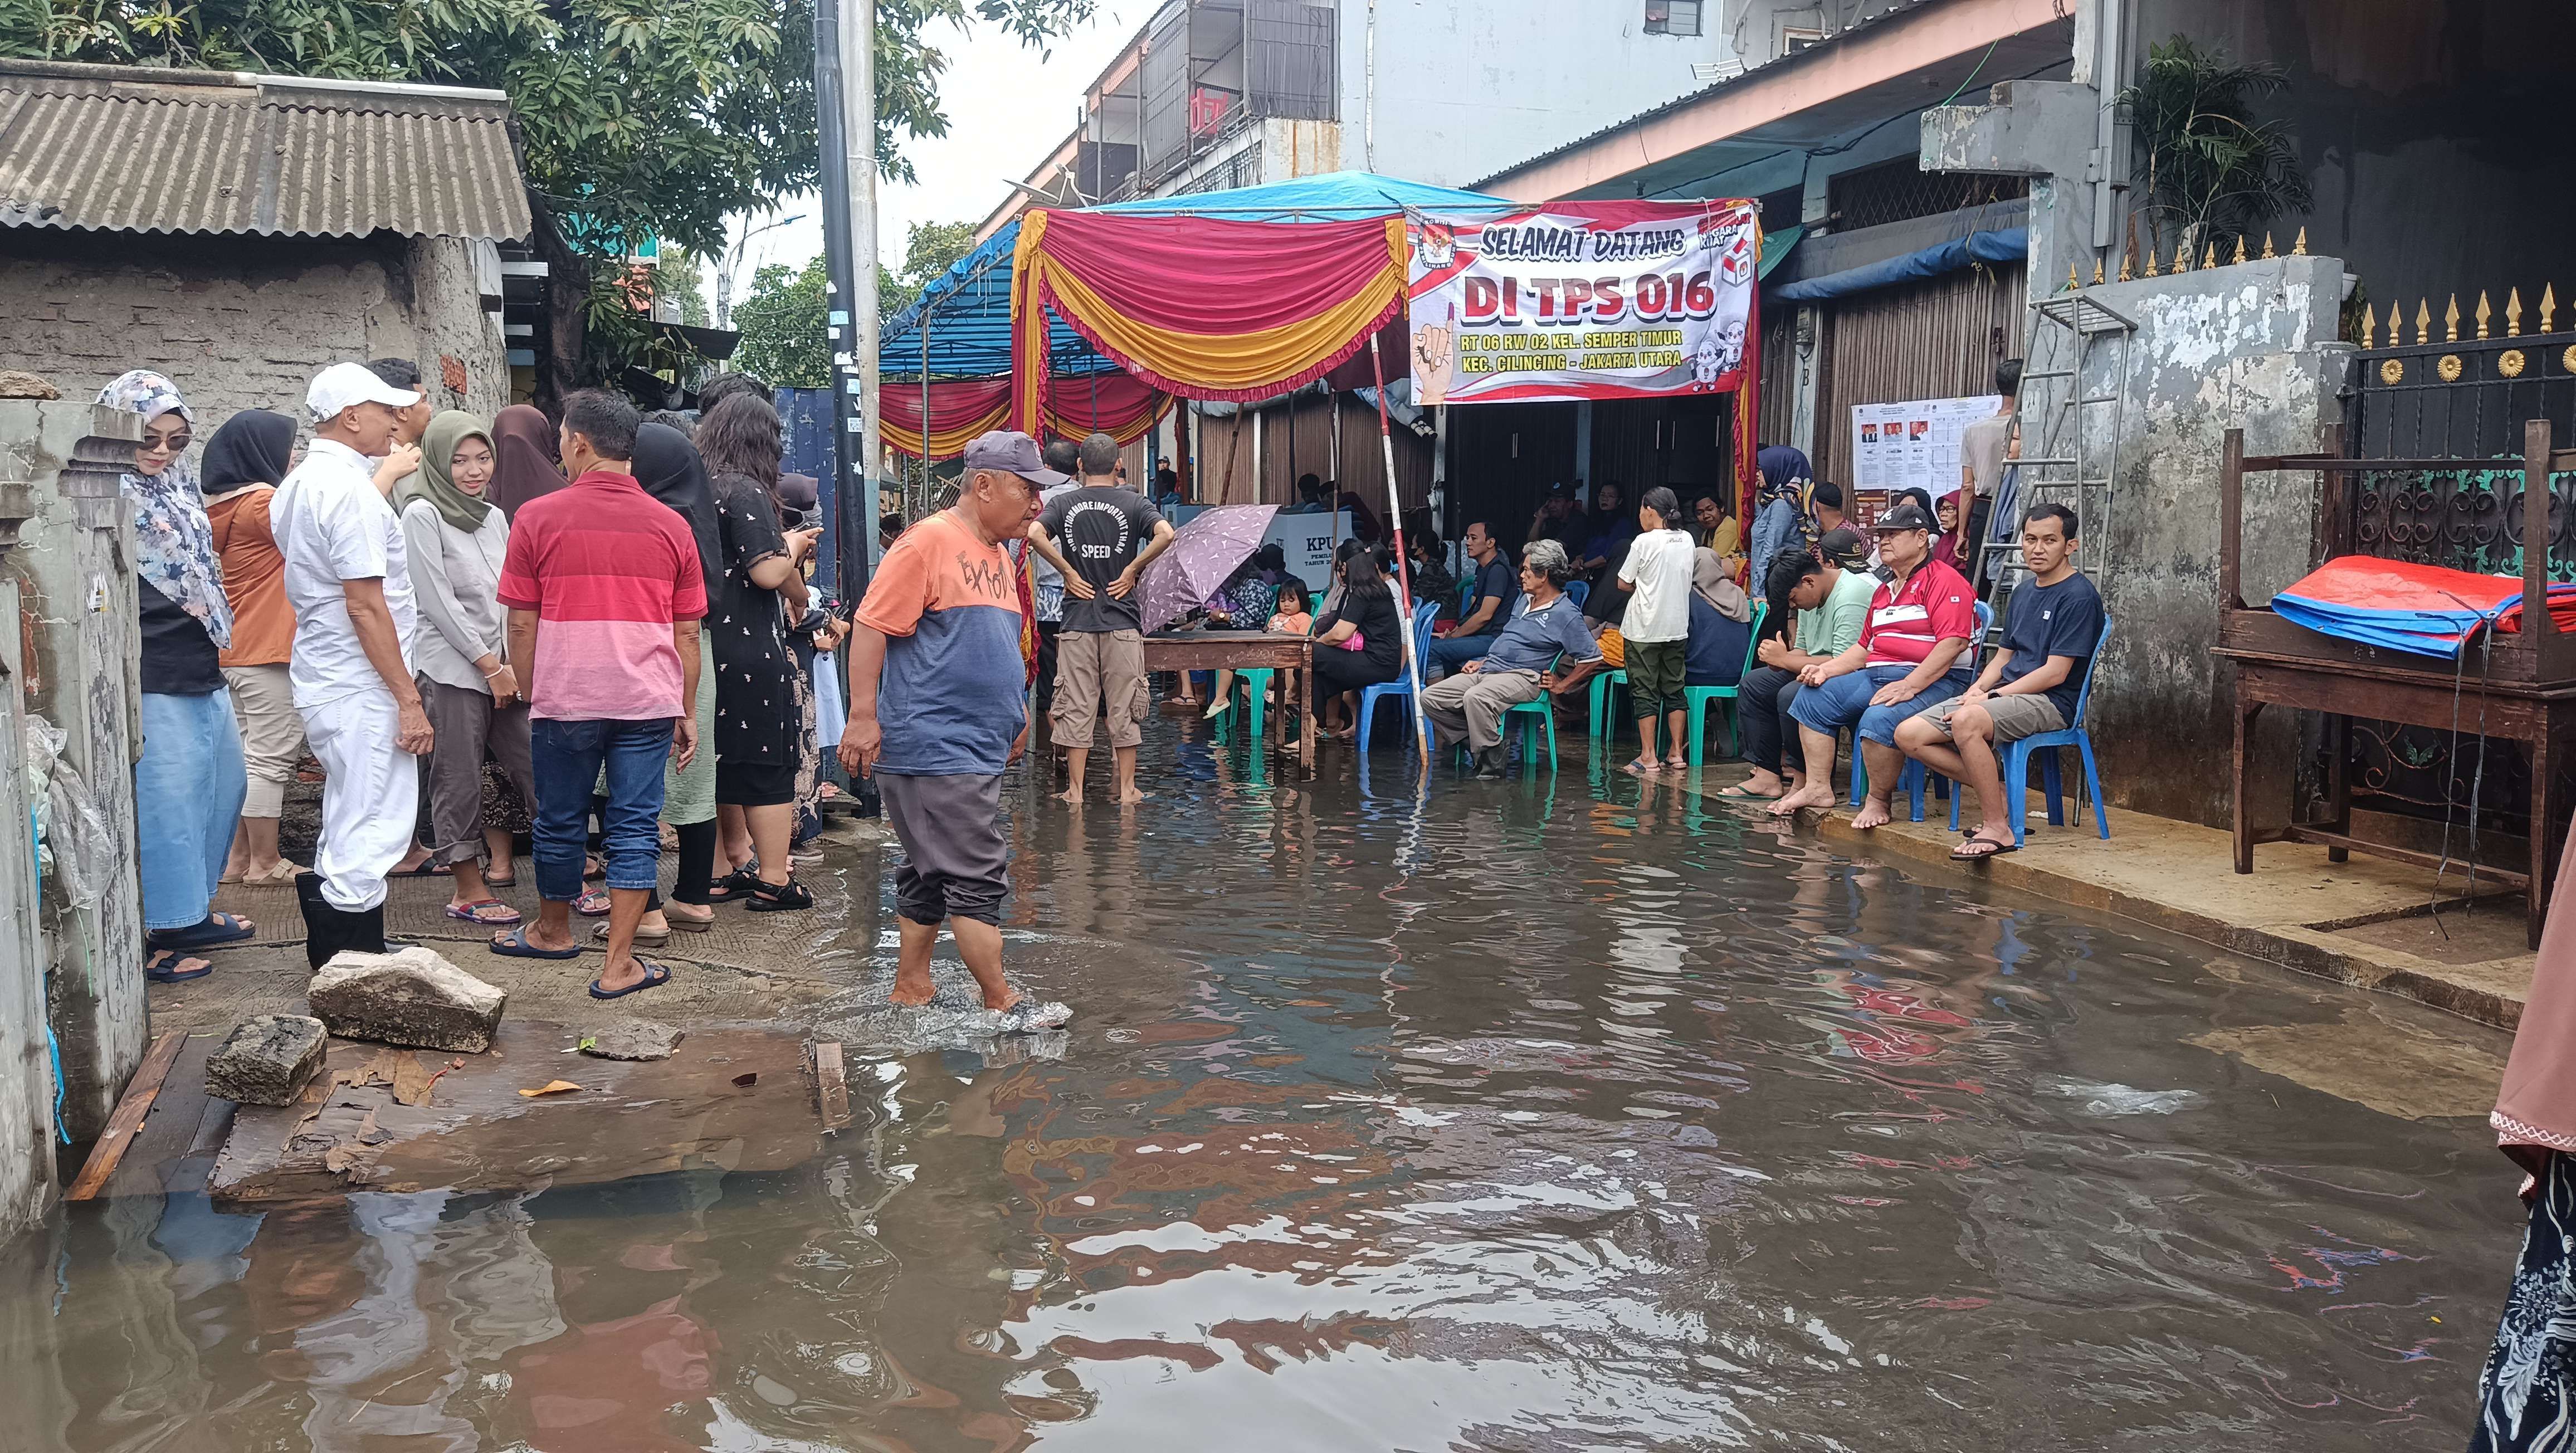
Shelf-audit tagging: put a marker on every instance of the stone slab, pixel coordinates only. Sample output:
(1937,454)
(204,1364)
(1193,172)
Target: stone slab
(267,1060)
(412,997)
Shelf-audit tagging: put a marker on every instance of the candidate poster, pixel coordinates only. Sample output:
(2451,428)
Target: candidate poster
(1585,300)
(1913,445)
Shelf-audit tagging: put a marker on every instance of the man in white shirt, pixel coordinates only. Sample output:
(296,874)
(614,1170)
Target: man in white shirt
(352,675)
(1984,450)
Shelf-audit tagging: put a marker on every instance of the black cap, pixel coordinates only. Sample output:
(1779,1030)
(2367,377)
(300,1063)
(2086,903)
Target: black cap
(1905,516)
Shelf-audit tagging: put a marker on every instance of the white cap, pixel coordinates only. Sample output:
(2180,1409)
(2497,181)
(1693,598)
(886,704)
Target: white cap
(345,384)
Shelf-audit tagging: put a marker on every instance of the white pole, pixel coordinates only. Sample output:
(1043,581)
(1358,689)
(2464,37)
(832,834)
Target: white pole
(1403,567)
(859,126)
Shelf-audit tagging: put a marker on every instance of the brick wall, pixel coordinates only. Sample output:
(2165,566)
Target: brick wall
(242,322)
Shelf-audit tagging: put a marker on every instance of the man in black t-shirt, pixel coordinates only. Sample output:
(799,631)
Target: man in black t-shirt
(2052,626)
(1483,617)
(1101,537)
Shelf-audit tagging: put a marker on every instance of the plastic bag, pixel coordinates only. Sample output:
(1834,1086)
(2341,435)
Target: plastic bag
(76,847)
(829,714)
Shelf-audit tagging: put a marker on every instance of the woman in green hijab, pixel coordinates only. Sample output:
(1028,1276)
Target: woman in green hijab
(455,541)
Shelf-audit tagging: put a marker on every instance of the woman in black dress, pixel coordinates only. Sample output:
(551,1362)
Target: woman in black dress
(1368,611)
(759,717)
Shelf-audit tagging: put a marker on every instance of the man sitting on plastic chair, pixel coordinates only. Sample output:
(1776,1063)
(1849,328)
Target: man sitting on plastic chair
(1515,669)
(1476,627)
(1908,657)
(2052,625)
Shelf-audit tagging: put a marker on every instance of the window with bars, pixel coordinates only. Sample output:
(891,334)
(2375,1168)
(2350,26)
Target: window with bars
(1894,191)
(1672,17)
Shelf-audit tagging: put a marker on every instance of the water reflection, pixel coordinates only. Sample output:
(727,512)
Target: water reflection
(1563,1111)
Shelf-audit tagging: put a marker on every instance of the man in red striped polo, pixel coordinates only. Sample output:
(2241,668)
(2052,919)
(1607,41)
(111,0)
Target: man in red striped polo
(605,595)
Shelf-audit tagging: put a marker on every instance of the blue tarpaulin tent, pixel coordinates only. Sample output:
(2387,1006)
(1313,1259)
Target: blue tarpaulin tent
(968,309)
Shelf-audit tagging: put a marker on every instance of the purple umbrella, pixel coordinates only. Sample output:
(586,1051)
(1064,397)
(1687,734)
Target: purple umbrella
(1205,553)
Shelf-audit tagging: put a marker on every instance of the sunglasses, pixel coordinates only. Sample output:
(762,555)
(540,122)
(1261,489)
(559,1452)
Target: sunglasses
(170,443)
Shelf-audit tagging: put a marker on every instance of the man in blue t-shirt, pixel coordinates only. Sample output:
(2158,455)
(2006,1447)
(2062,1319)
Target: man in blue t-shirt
(1497,587)
(2052,625)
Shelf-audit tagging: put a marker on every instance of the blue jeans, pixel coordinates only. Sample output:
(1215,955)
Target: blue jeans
(1844,702)
(188,787)
(569,757)
(1449,654)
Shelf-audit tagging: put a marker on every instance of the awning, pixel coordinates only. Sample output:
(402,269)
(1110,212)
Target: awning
(2011,244)
(969,306)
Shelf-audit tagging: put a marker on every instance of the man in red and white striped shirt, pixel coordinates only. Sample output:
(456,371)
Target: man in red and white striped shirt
(1913,651)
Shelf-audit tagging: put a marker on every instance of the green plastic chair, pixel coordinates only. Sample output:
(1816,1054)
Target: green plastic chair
(1534,714)
(1602,681)
(1698,697)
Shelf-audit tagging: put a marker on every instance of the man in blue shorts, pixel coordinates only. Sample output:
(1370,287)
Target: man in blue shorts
(1912,653)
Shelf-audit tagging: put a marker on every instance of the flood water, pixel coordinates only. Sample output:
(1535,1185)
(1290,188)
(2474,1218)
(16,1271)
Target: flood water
(1531,1118)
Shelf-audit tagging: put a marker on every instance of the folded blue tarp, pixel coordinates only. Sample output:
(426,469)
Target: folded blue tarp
(2008,244)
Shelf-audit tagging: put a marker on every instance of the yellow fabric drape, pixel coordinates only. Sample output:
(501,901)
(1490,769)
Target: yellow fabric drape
(1189,364)
(947,441)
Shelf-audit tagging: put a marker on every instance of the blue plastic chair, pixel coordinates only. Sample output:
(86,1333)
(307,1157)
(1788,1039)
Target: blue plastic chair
(1401,686)
(2016,759)
(1912,780)
(1578,592)
(1698,697)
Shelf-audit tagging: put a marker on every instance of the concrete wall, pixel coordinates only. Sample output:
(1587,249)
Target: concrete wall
(242,322)
(2251,347)
(1466,90)
(74,573)
(26,1066)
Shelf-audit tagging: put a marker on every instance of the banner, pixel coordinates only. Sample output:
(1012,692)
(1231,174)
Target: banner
(1913,445)
(1584,300)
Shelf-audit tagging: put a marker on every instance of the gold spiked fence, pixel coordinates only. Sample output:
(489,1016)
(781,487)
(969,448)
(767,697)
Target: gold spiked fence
(2452,375)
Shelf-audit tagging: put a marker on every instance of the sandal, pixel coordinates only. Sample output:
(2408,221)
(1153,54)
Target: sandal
(643,935)
(735,886)
(428,867)
(1737,793)
(655,976)
(686,924)
(1978,849)
(218,928)
(787,897)
(515,945)
(480,912)
(593,904)
(286,871)
(169,966)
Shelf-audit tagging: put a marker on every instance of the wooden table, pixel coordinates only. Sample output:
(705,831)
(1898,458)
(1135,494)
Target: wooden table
(1239,650)
(2537,716)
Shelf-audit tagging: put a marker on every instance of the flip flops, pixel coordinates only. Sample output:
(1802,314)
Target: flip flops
(1737,793)
(155,970)
(655,976)
(515,945)
(643,935)
(428,867)
(218,928)
(1965,851)
(474,912)
(593,904)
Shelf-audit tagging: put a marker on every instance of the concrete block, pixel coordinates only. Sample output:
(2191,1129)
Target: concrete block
(410,997)
(267,1060)
(632,1039)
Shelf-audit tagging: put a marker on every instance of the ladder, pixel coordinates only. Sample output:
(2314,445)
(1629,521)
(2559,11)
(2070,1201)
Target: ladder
(2084,346)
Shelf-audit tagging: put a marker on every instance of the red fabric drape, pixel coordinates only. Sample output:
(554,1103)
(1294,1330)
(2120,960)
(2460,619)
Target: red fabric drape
(960,409)
(1117,404)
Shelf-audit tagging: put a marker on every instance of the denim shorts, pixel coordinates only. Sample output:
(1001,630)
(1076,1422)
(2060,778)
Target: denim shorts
(1844,702)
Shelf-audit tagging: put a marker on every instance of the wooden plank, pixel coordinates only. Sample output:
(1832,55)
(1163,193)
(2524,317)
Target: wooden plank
(136,1103)
(832,1083)
(2327,837)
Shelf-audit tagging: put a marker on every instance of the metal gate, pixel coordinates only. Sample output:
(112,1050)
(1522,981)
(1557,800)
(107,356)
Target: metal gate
(2435,382)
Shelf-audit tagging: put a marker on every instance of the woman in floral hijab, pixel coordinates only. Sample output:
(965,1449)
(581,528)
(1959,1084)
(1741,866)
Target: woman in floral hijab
(188,784)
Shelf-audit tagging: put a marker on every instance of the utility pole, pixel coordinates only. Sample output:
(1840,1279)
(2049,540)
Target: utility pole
(844,114)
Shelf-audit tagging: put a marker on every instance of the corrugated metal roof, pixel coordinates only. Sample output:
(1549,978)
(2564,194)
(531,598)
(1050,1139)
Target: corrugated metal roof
(130,149)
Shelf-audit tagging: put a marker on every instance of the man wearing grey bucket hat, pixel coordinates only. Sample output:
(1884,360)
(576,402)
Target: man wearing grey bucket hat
(938,710)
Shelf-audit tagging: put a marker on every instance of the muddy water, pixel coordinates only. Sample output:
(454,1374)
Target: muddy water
(1533,1118)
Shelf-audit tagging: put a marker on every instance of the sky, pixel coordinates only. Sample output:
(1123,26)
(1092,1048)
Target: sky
(1007,106)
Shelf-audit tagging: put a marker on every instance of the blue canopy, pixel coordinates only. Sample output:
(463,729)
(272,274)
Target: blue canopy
(2010,244)
(968,309)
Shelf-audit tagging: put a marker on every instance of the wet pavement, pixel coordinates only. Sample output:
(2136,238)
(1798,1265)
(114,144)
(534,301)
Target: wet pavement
(1550,1114)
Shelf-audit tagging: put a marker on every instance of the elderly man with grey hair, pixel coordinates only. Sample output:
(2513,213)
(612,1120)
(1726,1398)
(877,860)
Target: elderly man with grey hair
(1520,665)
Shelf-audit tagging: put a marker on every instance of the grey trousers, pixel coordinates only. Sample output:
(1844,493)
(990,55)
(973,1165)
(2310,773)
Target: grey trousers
(466,730)
(955,862)
(1471,704)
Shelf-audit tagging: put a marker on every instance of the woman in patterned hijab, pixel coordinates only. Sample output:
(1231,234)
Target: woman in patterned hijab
(188,784)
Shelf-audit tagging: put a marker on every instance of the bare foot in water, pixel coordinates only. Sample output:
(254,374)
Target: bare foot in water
(1873,813)
(1132,796)
(1804,797)
(906,997)
(1070,794)
(1010,1000)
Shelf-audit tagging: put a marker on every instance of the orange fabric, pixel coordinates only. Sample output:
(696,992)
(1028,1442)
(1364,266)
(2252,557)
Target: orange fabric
(947,439)
(1614,648)
(254,578)
(1249,364)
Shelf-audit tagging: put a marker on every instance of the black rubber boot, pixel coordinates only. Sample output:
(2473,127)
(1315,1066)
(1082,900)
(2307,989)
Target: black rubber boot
(1489,764)
(322,922)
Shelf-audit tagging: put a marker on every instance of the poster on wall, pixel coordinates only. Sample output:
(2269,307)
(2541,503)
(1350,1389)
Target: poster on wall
(1584,300)
(1913,445)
